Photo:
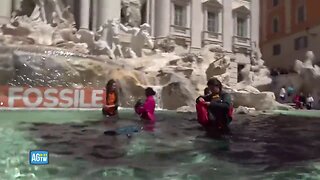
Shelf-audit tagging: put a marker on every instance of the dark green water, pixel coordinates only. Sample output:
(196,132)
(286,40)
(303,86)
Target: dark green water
(263,147)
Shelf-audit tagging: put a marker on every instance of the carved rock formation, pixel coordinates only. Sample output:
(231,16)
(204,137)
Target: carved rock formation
(178,77)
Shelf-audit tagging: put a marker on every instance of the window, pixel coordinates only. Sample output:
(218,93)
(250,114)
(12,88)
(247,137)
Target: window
(301,14)
(275,25)
(241,27)
(275,3)
(179,15)
(301,43)
(212,22)
(276,49)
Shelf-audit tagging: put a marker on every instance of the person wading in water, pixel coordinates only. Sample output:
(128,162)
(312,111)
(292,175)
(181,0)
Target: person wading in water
(219,108)
(111,106)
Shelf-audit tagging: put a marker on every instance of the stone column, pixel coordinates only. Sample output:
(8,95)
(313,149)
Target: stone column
(255,21)
(151,15)
(5,11)
(94,14)
(84,14)
(108,9)
(162,18)
(196,24)
(227,25)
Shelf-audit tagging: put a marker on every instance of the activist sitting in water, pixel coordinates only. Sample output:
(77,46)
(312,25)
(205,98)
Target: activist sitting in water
(111,106)
(146,110)
(214,109)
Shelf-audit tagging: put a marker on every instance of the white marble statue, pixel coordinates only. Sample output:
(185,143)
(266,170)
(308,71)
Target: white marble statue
(40,10)
(113,36)
(300,67)
(247,82)
(309,59)
(139,37)
(256,53)
(260,73)
(247,75)
(96,44)
(101,47)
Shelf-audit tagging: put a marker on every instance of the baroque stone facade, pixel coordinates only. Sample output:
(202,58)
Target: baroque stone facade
(233,24)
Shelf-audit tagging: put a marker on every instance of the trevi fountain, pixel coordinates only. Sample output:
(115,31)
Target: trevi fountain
(45,49)
(42,47)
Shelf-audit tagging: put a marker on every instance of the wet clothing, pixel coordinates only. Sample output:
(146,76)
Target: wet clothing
(111,99)
(146,110)
(219,111)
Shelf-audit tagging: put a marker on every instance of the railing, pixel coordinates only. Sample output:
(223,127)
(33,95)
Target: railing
(180,31)
(241,41)
(211,36)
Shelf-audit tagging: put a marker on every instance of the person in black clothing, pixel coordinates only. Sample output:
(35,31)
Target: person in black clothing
(303,99)
(219,107)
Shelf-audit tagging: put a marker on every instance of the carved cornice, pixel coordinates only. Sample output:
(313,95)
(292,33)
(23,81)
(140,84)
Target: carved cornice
(214,3)
(242,9)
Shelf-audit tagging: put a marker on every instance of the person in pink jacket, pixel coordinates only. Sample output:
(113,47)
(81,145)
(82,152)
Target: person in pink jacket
(146,110)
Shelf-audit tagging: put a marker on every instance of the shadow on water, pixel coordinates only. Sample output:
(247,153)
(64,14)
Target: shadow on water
(264,143)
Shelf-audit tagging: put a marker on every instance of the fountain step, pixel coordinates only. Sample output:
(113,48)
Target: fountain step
(5,50)
(5,56)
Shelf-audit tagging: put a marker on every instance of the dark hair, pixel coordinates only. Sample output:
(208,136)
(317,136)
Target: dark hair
(109,84)
(215,82)
(207,91)
(108,87)
(150,92)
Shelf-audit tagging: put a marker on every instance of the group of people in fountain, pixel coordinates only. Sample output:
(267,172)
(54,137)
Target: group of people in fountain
(299,99)
(214,108)
(144,109)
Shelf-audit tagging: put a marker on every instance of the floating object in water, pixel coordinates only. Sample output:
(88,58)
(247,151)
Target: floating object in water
(127,130)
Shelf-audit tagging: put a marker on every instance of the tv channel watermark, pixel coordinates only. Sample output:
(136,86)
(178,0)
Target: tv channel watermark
(39,157)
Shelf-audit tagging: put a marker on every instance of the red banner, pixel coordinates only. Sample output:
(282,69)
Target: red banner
(43,97)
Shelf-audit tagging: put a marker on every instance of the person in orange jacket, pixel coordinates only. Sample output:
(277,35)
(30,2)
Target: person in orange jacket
(111,106)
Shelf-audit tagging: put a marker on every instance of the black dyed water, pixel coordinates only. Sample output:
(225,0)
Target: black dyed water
(261,147)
